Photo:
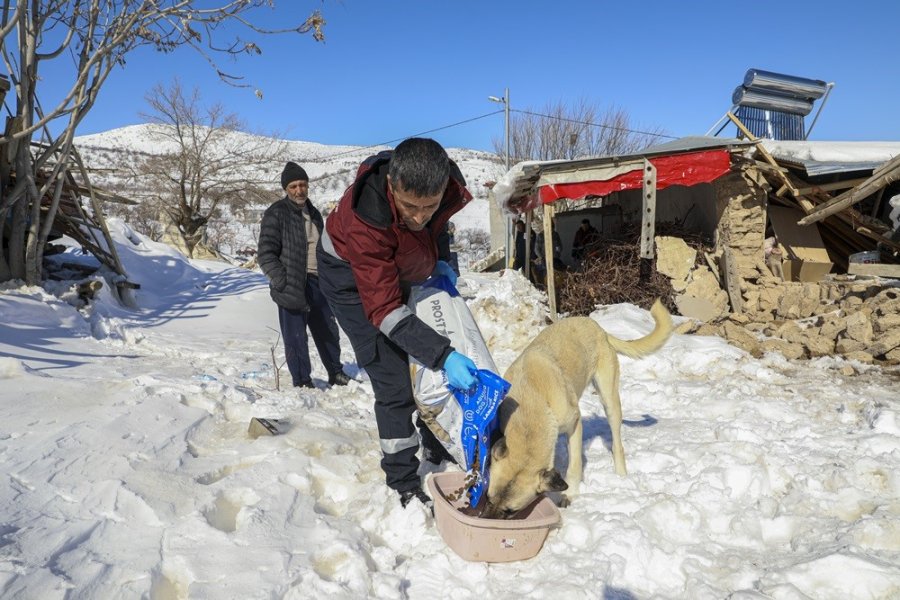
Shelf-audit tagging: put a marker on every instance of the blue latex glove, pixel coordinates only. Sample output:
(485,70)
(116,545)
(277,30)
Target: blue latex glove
(460,371)
(444,268)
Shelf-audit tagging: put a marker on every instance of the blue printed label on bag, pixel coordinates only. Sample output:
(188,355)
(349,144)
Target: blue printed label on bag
(479,422)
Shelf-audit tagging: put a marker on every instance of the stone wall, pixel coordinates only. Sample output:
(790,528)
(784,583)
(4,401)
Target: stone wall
(742,226)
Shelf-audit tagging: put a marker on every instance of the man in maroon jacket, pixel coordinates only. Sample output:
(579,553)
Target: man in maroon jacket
(382,238)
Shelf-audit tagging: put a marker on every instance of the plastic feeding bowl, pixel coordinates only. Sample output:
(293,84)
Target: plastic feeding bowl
(489,540)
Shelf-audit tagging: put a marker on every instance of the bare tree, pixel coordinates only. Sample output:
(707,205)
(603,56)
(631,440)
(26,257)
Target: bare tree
(208,163)
(89,38)
(561,131)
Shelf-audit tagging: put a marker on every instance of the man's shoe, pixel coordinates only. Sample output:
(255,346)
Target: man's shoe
(307,384)
(339,378)
(417,493)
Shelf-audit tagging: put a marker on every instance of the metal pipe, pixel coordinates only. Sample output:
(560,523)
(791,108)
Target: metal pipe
(819,112)
(721,123)
(510,241)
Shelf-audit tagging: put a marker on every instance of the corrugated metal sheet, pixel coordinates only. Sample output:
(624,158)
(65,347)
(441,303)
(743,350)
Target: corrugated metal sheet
(695,142)
(828,158)
(814,168)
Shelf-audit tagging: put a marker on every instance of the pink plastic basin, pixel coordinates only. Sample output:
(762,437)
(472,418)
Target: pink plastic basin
(489,540)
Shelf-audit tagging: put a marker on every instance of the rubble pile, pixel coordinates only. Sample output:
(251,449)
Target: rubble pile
(859,320)
(757,307)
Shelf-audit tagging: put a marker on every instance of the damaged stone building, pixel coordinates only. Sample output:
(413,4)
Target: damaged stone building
(804,256)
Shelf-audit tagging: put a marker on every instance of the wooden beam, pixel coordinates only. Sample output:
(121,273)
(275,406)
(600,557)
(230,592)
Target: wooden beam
(830,187)
(877,237)
(713,267)
(875,269)
(101,194)
(851,224)
(805,204)
(764,166)
(886,174)
(732,279)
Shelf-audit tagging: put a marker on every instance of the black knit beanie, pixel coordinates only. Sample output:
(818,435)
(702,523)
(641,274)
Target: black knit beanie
(292,172)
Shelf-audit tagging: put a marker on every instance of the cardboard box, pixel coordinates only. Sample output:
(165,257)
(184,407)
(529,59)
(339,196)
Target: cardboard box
(802,248)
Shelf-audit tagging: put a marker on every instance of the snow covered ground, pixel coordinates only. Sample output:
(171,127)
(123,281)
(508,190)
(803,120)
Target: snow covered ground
(128,471)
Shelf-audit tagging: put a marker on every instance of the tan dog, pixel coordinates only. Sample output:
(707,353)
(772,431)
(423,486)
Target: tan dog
(547,381)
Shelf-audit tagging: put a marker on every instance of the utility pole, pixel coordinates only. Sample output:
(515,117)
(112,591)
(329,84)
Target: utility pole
(510,242)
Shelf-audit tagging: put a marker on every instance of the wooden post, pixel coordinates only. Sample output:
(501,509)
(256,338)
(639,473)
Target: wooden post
(548,258)
(732,279)
(528,217)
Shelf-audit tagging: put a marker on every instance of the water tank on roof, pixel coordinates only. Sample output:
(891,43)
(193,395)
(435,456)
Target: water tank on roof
(786,85)
(773,105)
(769,101)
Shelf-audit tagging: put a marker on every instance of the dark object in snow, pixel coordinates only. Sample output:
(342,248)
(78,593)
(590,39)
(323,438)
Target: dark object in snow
(260,426)
(417,493)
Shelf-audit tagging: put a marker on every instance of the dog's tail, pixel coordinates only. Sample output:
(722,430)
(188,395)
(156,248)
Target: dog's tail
(651,342)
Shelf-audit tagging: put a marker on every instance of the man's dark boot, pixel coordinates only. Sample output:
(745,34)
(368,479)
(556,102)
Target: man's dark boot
(417,493)
(339,378)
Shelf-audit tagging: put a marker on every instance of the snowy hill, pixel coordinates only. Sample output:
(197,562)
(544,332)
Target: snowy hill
(331,168)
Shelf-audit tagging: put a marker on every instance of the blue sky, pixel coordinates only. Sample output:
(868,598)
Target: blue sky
(392,69)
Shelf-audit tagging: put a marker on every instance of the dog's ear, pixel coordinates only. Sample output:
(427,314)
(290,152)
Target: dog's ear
(499,449)
(552,481)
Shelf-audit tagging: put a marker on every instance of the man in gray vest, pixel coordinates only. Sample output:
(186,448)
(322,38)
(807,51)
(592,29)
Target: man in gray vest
(288,236)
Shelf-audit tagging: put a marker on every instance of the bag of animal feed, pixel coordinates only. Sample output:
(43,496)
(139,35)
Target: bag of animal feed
(461,420)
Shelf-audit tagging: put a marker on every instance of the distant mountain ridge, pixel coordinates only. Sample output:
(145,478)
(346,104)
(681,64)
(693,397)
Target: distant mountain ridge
(331,168)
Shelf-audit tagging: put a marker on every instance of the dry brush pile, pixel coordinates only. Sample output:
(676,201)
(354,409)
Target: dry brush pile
(611,274)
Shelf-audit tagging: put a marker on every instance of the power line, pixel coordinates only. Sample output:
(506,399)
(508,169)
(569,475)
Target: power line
(400,139)
(441,128)
(534,114)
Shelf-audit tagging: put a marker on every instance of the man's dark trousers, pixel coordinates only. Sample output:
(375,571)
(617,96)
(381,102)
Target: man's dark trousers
(387,366)
(394,408)
(324,331)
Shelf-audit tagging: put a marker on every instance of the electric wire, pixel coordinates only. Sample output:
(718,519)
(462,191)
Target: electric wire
(536,114)
(400,139)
